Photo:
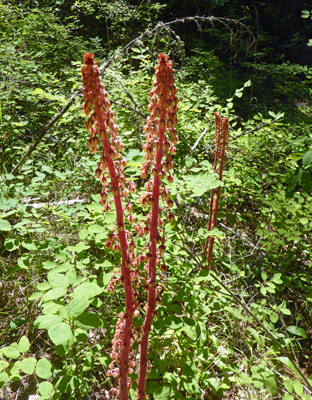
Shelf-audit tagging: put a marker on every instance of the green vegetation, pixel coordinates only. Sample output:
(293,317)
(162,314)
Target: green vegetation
(241,329)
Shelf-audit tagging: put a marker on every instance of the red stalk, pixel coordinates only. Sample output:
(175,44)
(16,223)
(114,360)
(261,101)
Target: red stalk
(162,117)
(221,133)
(101,125)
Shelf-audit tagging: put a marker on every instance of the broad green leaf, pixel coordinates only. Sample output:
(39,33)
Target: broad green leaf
(45,321)
(288,363)
(264,276)
(44,286)
(11,244)
(10,352)
(44,369)
(54,294)
(77,306)
(28,365)
(29,244)
(189,161)
(298,387)
(87,289)
(60,333)
(83,233)
(288,385)
(306,181)
(4,379)
(78,248)
(295,330)
(23,344)
(192,387)
(35,296)
(5,225)
(162,393)
(67,384)
(288,396)
(51,307)
(3,365)
(190,331)
(307,158)
(95,228)
(274,317)
(88,320)
(45,388)
(57,280)
(271,384)
(276,278)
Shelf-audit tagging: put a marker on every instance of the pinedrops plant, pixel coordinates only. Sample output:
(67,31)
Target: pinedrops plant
(221,139)
(102,128)
(101,125)
(162,119)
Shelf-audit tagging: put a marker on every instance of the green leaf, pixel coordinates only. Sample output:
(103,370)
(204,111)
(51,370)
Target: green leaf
(190,331)
(44,369)
(77,306)
(5,225)
(88,320)
(44,286)
(29,244)
(288,385)
(4,379)
(298,387)
(306,181)
(28,365)
(57,280)
(288,363)
(78,248)
(162,393)
(192,387)
(3,365)
(10,352)
(60,333)
(45,388)
(83,233)
(274,317)
(35,296)
(307,158)
(23,344)
(54,294)
(45,321)
(288,396)
(189,161)
(11,244)
(271,384)
(87,289)
(295,330)
(276,278)
(95,228)
(68,384)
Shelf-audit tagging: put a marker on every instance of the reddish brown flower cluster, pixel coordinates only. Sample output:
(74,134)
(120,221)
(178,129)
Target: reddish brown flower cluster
(221,138)
(103,129)
(158,148)
(162,118)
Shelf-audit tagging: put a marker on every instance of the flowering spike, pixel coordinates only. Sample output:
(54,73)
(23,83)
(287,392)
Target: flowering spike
(103,129)
(221,138)
(162,116)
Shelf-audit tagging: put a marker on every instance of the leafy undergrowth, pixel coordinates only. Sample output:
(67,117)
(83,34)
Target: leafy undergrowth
(240,330)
